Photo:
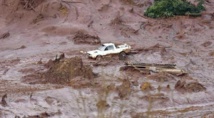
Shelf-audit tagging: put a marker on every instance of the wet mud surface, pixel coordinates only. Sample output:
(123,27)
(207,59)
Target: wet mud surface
(37,83)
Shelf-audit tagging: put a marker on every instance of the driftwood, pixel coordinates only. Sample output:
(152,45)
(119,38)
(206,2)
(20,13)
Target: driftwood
(157,68)
(150,64)
(61,56)
(30,4)
(4,35)
(3,100)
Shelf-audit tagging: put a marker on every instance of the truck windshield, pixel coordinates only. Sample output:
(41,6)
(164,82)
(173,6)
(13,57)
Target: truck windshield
(101,48)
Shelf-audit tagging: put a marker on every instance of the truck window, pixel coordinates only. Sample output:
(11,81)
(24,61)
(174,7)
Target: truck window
(110,47)
(102,48)
(106,49)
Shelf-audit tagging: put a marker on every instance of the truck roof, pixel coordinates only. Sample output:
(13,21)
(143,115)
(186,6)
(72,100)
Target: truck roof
(107,44)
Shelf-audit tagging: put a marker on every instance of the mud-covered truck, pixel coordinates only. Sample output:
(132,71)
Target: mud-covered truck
(109,49)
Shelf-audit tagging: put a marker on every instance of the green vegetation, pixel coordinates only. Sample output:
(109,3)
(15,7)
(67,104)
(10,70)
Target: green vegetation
(168,8)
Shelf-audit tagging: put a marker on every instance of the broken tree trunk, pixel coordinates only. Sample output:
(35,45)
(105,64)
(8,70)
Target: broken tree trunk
(157,68)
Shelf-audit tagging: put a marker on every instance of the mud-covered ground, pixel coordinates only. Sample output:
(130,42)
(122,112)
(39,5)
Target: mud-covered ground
(33,33)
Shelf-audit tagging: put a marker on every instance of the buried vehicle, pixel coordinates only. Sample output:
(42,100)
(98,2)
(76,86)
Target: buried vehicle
(108,49)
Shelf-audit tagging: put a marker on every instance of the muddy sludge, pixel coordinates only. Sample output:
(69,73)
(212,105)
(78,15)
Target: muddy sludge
(4,35)
(161,77)
(67,71)
(30,4)
(84,38)
(124,90)
(189,85)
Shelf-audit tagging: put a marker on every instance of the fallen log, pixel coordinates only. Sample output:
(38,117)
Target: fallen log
(156,68)
(151,64)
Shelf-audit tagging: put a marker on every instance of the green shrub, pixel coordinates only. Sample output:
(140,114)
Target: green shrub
(168,8)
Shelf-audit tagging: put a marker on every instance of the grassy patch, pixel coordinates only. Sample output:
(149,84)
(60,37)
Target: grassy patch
(168,8)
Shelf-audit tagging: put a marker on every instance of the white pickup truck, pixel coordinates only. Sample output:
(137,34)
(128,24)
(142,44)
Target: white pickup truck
(108,49)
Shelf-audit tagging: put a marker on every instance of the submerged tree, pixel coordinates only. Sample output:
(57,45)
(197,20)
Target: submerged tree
(168,8)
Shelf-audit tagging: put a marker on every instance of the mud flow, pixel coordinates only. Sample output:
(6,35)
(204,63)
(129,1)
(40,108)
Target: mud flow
(45,71)
(81,38)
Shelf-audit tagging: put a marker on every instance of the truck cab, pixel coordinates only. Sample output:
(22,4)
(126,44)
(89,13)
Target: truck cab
(107,49)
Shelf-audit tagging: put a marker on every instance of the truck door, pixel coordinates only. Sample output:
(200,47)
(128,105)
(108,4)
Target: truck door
(109,49)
